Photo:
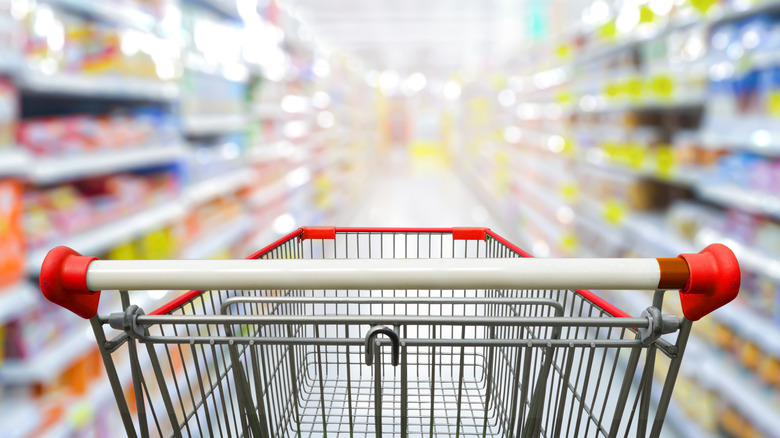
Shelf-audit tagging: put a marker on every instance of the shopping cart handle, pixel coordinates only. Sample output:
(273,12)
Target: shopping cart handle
(707,280)
(713,281)
(64,281)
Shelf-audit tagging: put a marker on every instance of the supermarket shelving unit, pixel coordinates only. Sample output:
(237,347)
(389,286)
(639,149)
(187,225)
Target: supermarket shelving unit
(315,158)
(561,142)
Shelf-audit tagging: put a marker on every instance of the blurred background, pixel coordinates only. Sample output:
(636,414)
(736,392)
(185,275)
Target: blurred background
(209,128)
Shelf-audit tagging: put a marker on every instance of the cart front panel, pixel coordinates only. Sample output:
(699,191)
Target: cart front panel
(438,362)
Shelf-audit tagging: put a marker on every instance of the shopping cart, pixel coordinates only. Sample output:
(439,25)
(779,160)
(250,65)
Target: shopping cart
(391,332)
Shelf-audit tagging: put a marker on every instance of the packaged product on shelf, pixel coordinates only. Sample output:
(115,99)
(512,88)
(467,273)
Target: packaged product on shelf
(635,193)
(80,134)
(157,244)
(60,211)
(687,218)
(769,366)
(689,150)
(63,41)
(37,331)
(12,240)
(733,423)
(8,113)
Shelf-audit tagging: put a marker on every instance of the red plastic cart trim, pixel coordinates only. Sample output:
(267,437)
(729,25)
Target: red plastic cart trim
(276,244)
(590,296)
(461,233)
(317,233)
(392,230)
(714,281)
(187,296)
(64,281)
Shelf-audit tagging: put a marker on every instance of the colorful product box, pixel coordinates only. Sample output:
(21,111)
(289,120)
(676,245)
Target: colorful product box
(12,254)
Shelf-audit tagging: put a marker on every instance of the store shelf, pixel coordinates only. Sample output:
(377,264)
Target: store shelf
(225,236)
(9,61)
(120,13)
(56,169)
(686,176)
(216,187)
(262,239)
(654,237)
(13,162)
(271,150)
(752,201)
(627,42)
(753,134)
(103,238)
(20,418)
(268,111)
(16,300)
(97,86)
(749,258)
(755,401)
(47,365)
(267,194)
(644,233)
(195,125)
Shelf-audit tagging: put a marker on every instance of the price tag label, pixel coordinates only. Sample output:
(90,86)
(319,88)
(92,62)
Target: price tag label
(662,85)
(633,88)
(664,161)
(608,31)
(703,6)
(635,155)
(773,103)
(614,212)
(569,192)
(563,97)
(646,15)
(563,51)
(125,251)
(612,90)
(570,242)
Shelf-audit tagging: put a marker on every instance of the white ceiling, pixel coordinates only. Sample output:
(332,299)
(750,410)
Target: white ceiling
(428,35)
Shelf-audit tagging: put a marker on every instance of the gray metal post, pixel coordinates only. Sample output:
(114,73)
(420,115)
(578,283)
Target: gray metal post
(113,378)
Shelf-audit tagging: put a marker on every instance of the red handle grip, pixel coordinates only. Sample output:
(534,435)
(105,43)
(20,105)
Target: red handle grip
(64,281)
(713,282)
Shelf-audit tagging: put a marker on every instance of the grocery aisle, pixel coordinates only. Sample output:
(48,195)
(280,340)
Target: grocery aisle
(405,190)
(205,129)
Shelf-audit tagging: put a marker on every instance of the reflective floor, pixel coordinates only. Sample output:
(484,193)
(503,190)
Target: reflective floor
(409,190)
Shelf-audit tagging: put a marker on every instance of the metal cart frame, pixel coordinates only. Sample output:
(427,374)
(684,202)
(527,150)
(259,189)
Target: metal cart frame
(402,332)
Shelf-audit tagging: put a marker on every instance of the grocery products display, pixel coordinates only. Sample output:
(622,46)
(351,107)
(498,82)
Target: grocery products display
(651,130)
(147,130)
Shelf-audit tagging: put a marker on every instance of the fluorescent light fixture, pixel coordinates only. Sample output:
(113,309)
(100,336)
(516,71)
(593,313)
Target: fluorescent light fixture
(320,100)
(389,82)
(506,98)
(294,104)
(325,119)
(283,224)
(513,134)
(761,138)
(556,143)
(451,90)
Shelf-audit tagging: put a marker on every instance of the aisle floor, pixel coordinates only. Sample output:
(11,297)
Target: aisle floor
(406,190)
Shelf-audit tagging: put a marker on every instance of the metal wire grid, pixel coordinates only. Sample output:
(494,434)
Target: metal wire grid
(454,379)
